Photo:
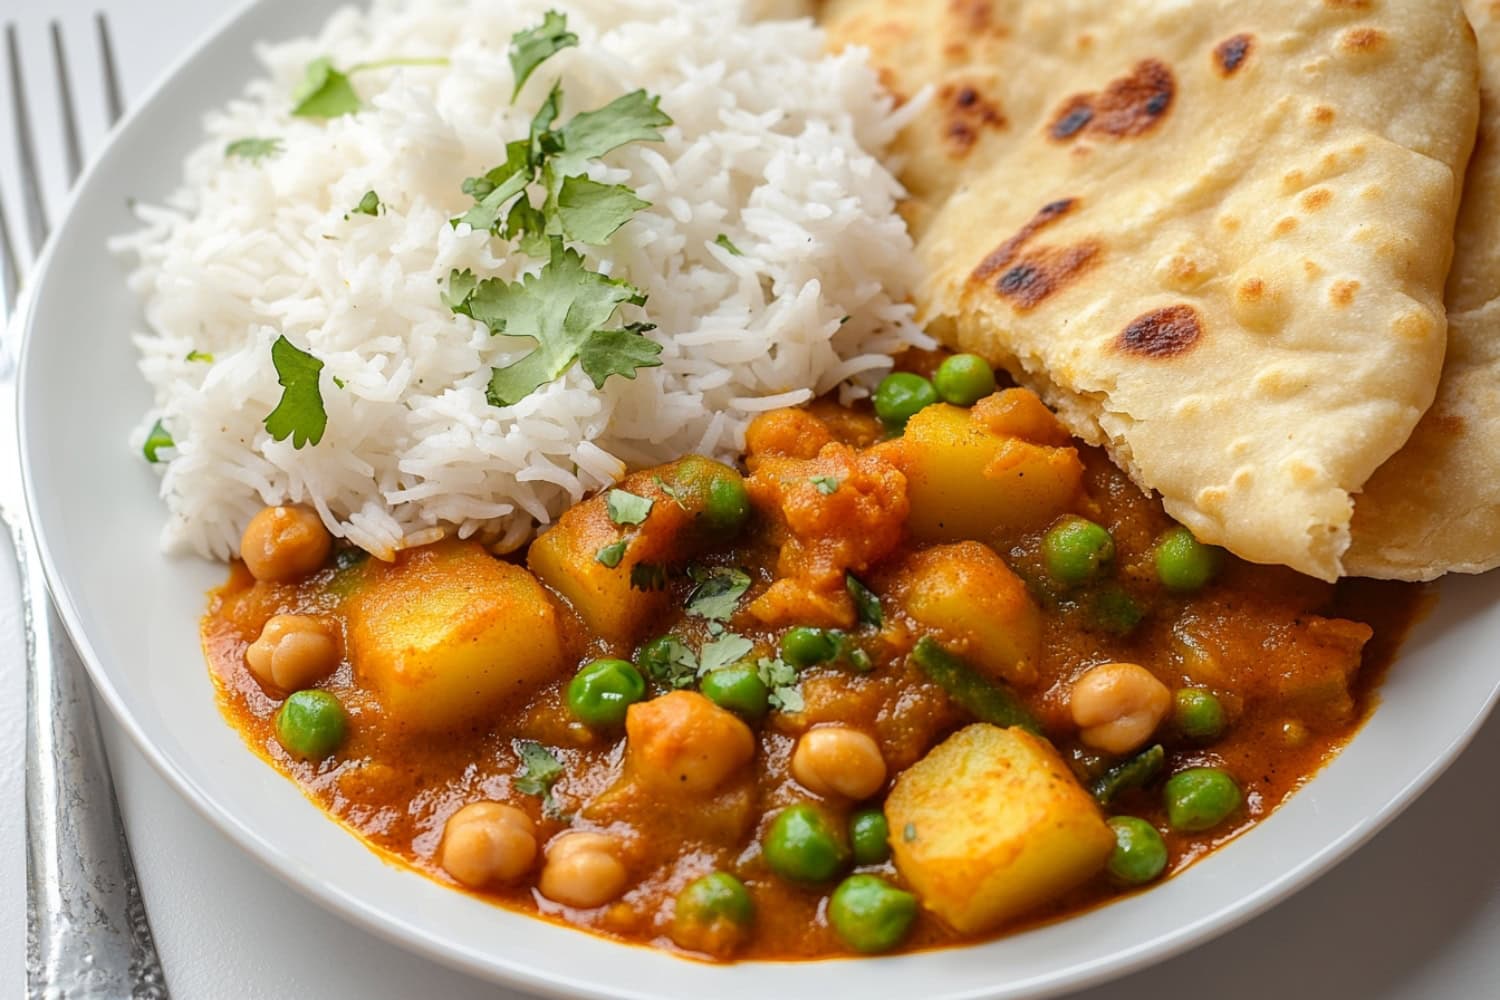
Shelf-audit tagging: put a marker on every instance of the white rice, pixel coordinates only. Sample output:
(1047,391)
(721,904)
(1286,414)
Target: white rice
(775,145)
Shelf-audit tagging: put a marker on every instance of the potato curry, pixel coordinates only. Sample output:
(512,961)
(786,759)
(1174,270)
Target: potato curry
(910,677)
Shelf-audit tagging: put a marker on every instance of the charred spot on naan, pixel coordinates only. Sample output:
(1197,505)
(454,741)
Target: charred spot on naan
(1162,333)
(1231,53)
(1025,275)
(1130,106)
(967,113)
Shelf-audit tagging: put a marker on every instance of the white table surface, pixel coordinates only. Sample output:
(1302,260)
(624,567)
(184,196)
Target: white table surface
(1415,915)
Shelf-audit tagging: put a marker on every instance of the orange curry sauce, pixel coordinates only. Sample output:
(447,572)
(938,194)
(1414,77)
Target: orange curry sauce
(1281,651)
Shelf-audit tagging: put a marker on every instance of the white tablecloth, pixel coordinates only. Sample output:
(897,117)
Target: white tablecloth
(1413,916)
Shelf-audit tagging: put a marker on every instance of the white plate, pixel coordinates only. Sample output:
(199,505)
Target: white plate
(134,615)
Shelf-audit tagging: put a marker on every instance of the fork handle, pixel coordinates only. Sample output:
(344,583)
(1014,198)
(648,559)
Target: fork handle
(86,930)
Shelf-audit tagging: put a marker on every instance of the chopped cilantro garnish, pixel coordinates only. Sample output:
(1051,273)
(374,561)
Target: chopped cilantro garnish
(909,832)
(675,492)
(670,662)
(722,652)
(866,604)
(540,770)
(588,135)
(611,554)
(369,204)
(253,149)
(717,593)
(562,308)
(590,212)
(300,414)
(534,46)
(199,356)
(827,485)
(339,382)
(727,244)
(781,678)
(648,576)
(324,92)
(627,508)
(156,439)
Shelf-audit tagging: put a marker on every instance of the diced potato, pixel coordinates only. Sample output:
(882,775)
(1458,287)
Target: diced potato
(981,609)
(449,633)
(991,824)
(619,601)
(967,482)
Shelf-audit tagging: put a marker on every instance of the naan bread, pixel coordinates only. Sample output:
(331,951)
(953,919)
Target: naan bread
(1213,235)
(1434,508)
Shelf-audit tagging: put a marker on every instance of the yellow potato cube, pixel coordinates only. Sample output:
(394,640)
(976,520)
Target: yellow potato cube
(980,609)
(967,482)
(449,633)
(991,824)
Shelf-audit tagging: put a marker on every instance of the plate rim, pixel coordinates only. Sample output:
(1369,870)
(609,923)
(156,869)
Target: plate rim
(498,965)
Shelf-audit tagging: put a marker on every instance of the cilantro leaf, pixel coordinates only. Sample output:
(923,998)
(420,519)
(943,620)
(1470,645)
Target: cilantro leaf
(669,662)
(627,508)
(369,204)
(534,46)
(203,356)
(528,227)
(731,649)
(461,285)
(723,241)
(498,186)
(866,604)
(619,352)
(648,576)
(611,554)
(156,439)
(540,770)
(590,212)
(635,117)
(781,678)
(324,92)
(717,593)
(300,414)
(253,149)
(827,485)
(560,307)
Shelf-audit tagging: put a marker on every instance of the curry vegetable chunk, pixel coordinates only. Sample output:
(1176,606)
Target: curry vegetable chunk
(990,824)
(450,634)
(965,480)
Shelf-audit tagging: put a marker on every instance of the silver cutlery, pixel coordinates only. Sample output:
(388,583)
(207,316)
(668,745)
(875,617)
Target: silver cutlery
(87,935)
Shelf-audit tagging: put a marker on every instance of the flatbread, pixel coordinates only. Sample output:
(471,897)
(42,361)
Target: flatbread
(1434,508)
(1212,235)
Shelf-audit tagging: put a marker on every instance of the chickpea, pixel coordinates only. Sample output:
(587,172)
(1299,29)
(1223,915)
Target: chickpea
(838,760)
(583,870)
(487,842)
(293,652)
(1117,706)
(284,543)
(684,741)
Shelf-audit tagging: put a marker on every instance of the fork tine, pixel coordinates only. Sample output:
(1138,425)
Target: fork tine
(10,276)
(112,98)
(65,103)
(31,190)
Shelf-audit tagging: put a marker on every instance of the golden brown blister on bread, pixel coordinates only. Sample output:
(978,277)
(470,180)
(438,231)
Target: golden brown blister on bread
(1212,235)
(1434,507)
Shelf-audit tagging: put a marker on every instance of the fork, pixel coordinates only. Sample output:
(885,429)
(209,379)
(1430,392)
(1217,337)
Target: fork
(87,935)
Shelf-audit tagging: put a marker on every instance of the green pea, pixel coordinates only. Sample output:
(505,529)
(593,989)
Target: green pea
(1140,854)
(964,379)
(1183,563)
(1076,550)
(870,914)
(870,835)
(807,647)
(599,694)
(727,507)
(1198,714)
(739,689)
(713,914)
(803,846)
(900,396)
(311,724)
(1200,798)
